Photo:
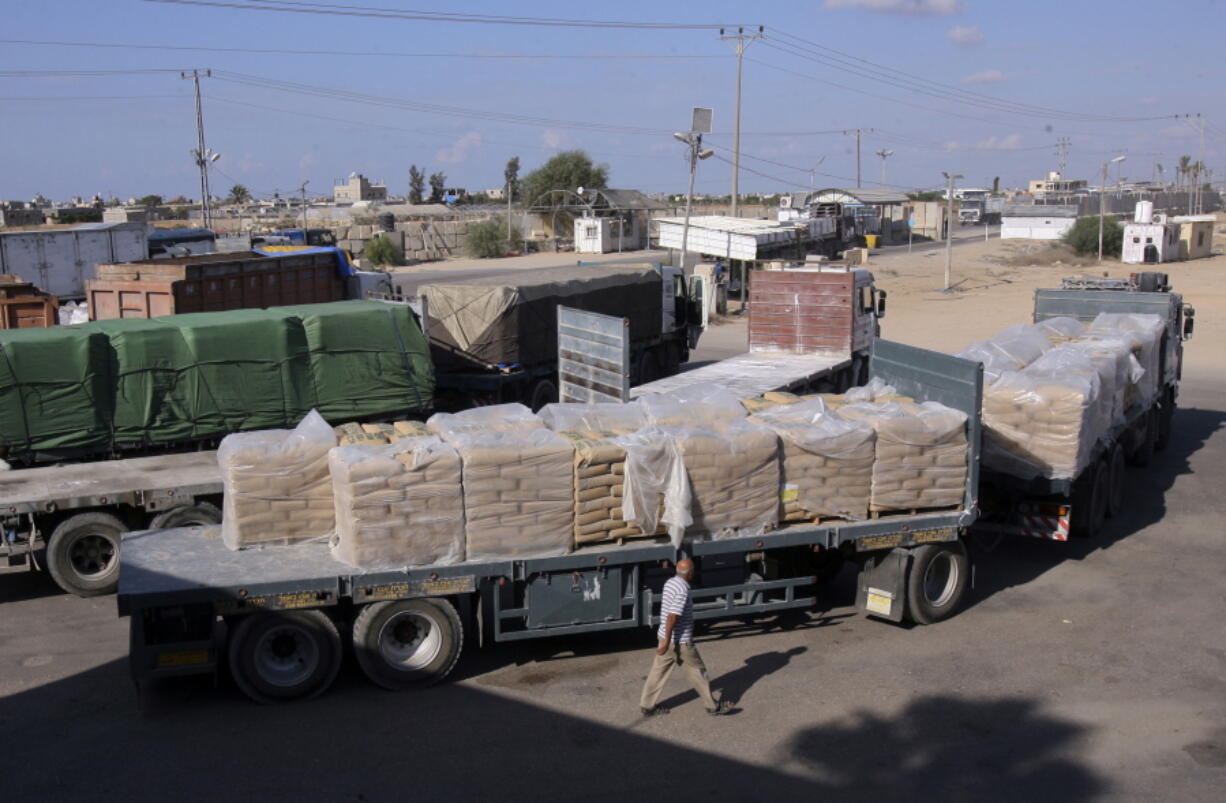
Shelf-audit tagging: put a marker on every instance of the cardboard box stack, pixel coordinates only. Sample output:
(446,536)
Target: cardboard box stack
(277,486)
(920,455)
(826,466)
(398,504)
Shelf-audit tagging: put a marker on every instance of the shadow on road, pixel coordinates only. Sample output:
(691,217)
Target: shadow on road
(457,742)
(732,686)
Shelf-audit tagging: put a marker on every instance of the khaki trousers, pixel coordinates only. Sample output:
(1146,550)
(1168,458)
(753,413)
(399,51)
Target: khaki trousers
(686,656)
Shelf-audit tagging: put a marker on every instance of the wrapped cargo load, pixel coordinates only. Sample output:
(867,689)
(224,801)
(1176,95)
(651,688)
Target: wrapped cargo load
(826,466)
(732,466)
(278,489)
(518,493)
(1043,422)
(1146,332)
(495,418)
(599,466)
(398,505)
(920,454)
(502,320)
(1010,350)
(1061,329)
(875,390)
(703,402)
(769,400)
(355,434)
(1118,368)
(657,492)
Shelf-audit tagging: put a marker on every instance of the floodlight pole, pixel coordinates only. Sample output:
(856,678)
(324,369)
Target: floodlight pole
(1102,202)
(949,227)
(742,41)
(201,153)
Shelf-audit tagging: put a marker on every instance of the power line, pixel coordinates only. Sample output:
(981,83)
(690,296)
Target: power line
(336,9)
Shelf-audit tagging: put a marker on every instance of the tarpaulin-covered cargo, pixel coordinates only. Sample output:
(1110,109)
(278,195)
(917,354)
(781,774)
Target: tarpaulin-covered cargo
(123,383)
(503,320)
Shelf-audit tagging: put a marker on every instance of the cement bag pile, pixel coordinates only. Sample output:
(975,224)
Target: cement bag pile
(354,434)
(599,466)
(875,390)
(1145,333)
(826,466)
(518,489)
(1011,350)
(1119,369)
(920,454)
(276,484)
(1061,329)
(495,418)
(703,402)
(398,504)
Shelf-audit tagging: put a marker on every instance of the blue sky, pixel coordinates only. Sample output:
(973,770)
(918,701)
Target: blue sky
(129,134)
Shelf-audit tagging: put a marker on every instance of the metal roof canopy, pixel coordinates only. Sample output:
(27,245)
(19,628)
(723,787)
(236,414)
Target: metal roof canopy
(736,237)
(866,196)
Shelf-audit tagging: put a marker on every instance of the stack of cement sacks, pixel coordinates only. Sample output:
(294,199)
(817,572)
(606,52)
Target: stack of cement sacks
(276,484)
(517,480)
(1144,333)
(595,430)
(731,464)
(919,460)
(398,504)
(826,465)
(378,434)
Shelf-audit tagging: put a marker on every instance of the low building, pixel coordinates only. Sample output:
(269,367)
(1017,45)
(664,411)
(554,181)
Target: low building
(1036,221)
(126,214)
(863,210)
(496,193)
(1195,235)
(1056,184)
(21,216)
(358,189)
(1150,242)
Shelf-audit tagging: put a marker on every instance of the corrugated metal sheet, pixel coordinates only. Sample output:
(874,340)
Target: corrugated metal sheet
(860,195)
(1039,210)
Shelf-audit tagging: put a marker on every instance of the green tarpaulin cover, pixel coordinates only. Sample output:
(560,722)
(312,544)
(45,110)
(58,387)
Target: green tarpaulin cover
(124,383)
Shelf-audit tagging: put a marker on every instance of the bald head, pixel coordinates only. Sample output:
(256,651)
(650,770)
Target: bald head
(685,568)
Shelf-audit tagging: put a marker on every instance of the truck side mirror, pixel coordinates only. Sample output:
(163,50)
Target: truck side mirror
(881,294)
(1189,322)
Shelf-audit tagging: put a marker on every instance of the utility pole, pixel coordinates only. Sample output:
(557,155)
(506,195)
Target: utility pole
(741,40)
(949,227)
(1102,196)
(693,140)
(884,154)
(510,244)
(858,132)
(203,155)
(813,174)
(302,190)
(1062,146)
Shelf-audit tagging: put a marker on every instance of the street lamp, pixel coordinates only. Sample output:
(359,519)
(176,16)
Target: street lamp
(693,140)
(884,154)
(1102,201)
(950,178)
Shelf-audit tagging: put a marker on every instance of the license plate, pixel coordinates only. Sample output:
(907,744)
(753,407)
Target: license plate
(183,658)
(879,602)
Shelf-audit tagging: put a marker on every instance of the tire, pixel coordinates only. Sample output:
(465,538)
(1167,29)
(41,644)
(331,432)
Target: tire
(279,656)
(1145,449)
(1165,418)
(672,359)
(1090,502)
(937,582)
(649,368)
(83,553)
(408,643)
(543,392)
(1117,468)
(201,514)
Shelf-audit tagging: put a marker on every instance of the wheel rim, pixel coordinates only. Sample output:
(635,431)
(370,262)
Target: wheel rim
(286,656)
(91,554)
(940,580)
(409,641)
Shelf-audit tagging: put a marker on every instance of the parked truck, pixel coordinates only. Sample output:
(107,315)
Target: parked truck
(58,261)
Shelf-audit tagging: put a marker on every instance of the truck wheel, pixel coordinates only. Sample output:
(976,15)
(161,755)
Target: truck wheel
(201,514)
(1165,416)
(408,644)
(83,553)
(649,368)
(543,392)
(1090,501)
(1145,449)
(1116,468)
(284,655)
(937,581)
(672,359)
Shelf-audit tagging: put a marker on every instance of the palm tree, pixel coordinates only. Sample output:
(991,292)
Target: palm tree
(1185,163)
(239,194)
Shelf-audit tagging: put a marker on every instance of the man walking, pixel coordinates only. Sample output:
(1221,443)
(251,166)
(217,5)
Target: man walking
(676,647)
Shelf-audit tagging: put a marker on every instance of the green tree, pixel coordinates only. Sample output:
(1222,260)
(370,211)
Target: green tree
(438,182)
(149,200)
(488,238)
(511,177)
(417,185)
(1182,170)
(238,195)
(568,170)
(1083,237)
(380,251)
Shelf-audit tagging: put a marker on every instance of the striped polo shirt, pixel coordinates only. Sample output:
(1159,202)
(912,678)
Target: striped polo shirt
(677,600)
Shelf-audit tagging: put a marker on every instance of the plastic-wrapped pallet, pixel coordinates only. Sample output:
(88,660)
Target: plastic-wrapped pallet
(599,465)
(920,456)
(519,496)
(875,390)
(495,418)
(354,434)
(733,470)
(398,504)
(1011,350)
(1061,329)
(277,486)
(769,400)
(1146,331)
(657,494)
(1043,422)
(826,468)
(1118,369)
(703,401)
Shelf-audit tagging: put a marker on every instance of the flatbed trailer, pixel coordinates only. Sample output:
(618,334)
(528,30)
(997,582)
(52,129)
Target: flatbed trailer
(275,616)
(752,374)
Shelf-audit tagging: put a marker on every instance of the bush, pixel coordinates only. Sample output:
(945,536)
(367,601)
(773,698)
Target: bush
(1083,237)
(380,252)
(488,238)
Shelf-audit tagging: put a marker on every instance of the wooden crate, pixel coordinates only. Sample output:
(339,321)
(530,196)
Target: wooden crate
(27,312)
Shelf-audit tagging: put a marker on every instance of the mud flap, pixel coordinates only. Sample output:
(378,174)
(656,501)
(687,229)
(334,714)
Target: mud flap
(882,587)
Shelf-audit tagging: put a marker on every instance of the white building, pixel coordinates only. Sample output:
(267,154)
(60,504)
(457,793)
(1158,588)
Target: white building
(1036,221)
(356,189)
